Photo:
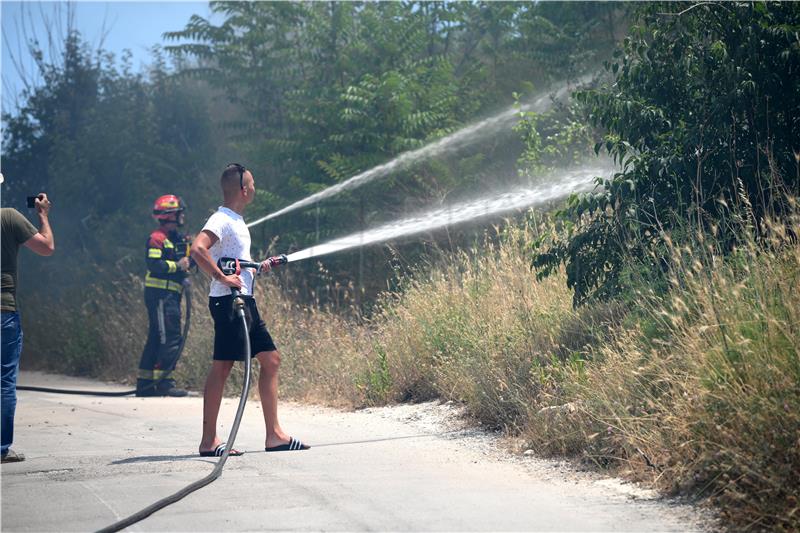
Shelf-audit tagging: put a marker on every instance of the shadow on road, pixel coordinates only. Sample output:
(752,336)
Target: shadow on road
(160,458)
(165,458)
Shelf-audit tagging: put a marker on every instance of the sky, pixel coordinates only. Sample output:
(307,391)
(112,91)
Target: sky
(135,26)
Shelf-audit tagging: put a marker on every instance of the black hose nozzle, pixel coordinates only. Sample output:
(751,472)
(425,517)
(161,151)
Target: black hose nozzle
(230,265)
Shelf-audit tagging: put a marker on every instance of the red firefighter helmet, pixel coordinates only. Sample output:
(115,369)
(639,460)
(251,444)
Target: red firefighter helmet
(167,208)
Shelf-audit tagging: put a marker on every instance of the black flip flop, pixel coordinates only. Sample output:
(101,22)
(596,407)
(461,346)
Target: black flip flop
(294,445)
(219,451)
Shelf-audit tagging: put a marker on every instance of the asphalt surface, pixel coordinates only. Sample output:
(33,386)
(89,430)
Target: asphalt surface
(92,461)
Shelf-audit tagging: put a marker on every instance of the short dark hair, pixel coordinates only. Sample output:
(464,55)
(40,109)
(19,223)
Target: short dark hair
(232,172)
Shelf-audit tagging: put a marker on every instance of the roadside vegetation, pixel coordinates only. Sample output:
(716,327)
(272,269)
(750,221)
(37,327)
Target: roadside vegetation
(694,390)
(651,326)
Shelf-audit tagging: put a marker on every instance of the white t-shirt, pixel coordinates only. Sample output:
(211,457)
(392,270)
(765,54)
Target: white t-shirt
(234,242)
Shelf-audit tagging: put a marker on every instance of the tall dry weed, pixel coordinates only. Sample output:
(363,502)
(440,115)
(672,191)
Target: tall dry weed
(476,329)
(324,353)
(701,394)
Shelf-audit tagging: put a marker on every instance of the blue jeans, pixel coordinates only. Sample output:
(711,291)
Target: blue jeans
(11,349)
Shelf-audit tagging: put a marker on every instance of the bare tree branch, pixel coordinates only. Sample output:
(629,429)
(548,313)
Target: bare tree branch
(692,7)
(16,61)
(105,30)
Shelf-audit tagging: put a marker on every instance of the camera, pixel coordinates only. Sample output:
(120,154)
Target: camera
(32,200)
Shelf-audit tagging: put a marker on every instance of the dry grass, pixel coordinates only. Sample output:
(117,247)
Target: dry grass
(697,392)
(96,331)
(323,354)
(104,337)
(701,394)
(477,330)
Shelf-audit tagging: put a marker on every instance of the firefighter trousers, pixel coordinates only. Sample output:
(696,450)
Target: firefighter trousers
(161,351)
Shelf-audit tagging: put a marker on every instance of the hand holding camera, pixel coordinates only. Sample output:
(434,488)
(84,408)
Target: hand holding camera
(40,203)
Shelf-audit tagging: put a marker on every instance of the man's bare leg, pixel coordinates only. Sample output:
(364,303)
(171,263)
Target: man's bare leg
(268,390)
(212,399)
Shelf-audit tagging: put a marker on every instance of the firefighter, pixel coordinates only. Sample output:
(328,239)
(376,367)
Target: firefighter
(167,266)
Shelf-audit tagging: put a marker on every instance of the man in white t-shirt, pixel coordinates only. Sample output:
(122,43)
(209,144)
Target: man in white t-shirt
(226,235)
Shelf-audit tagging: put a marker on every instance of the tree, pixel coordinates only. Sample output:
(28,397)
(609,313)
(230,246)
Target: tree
(701,111)
(103,143)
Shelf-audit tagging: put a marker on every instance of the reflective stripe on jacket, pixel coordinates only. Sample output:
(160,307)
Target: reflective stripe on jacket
(163,253)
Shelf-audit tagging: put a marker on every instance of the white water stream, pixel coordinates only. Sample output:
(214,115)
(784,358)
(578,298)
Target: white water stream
(559,186)
(452,142)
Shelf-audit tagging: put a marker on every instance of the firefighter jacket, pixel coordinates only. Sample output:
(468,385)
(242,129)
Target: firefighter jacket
(163,252)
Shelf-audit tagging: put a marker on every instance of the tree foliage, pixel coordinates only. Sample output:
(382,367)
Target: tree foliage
(103,143)
(702,112)
(307,94)
(326,90)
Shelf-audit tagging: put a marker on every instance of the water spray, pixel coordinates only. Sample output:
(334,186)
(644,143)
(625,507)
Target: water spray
(559,186)
(453,142)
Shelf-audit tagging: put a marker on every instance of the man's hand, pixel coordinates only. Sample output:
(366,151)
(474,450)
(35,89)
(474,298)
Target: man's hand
(43,242)
(266,266)
(42,204)
(183,263)
(233,281)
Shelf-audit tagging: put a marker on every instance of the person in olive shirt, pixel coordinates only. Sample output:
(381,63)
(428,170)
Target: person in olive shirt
(16,231)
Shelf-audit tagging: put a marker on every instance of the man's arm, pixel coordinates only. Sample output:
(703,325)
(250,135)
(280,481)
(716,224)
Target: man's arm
(42,243)
(205,240)
(155,257)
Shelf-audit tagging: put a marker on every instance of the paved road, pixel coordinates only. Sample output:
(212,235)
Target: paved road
(92,461)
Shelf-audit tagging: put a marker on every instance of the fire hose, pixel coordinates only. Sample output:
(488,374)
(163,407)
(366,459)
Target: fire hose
(228,266)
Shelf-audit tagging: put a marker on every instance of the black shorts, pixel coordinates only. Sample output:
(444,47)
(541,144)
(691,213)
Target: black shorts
(229,342)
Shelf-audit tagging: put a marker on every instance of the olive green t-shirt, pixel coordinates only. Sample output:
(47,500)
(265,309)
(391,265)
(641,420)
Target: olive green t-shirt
(16,229)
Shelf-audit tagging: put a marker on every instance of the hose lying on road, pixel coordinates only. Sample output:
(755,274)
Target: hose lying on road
(169,500)
(187,322)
